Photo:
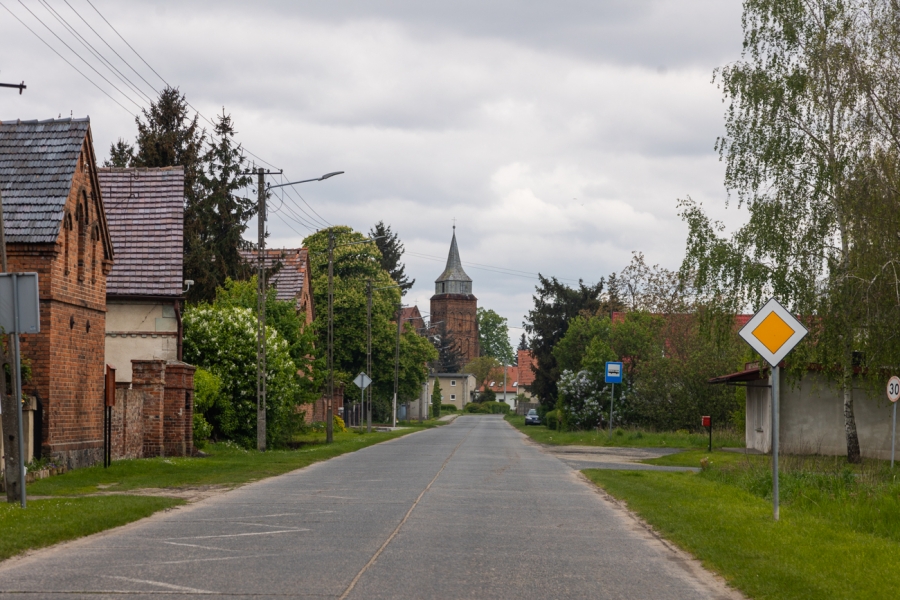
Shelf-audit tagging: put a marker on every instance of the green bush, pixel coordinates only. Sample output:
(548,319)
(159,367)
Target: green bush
(478,408)
(551,419)
(498,408)
(207,394)
(448,408)
(223,341)
(338,425)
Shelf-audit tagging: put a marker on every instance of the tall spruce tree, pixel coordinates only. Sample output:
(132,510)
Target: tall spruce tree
(213,238)
(391,252)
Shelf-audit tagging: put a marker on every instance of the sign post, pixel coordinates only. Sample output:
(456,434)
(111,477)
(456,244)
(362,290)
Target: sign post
(362,381)
(773,332)
(613,376)
(19,313)
(707,422)
(893,394)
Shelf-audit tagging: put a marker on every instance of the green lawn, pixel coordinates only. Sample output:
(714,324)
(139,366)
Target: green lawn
(47,522)
(634,438)
(838,535)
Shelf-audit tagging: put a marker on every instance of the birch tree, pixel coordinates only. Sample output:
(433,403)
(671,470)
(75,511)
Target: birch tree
(795,134)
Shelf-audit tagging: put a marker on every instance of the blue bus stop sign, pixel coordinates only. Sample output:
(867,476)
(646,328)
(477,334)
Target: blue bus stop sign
(613,372)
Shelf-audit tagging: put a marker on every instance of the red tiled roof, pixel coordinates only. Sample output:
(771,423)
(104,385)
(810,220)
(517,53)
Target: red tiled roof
(145,212)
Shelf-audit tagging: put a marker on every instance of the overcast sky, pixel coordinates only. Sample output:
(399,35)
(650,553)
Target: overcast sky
(559,135)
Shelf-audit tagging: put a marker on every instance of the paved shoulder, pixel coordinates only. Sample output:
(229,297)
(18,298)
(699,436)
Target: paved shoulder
(465,510)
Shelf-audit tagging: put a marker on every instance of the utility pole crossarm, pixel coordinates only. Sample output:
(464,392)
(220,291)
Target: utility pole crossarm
(19,86)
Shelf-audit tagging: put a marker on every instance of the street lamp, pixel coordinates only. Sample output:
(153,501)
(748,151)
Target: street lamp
(262,192)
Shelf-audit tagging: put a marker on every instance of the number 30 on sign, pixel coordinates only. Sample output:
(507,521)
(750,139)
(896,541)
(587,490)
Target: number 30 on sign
(893,389)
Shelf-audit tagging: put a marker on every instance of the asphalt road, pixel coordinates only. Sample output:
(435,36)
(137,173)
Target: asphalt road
(468,510)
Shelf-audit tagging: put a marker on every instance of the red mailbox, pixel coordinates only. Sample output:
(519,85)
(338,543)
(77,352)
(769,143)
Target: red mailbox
(707,421)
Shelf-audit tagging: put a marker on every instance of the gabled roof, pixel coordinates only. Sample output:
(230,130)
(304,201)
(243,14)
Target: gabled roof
(411,315)
(292,275)
(145,211)
(453,271)
(38,160)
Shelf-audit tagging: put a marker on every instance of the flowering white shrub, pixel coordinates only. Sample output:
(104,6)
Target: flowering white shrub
(222,340)
(585,400)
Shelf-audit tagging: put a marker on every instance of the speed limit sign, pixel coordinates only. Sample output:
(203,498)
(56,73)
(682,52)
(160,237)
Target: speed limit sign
(893,389)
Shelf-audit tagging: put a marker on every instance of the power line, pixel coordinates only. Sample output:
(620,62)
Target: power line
(91,81)
(127,97)
(490,268)
(90,48)
(102,39)
(316,220)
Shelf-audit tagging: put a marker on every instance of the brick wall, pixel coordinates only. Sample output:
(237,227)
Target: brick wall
(155,417)
(458,312)
(178,412)
(67,356)
(127,424)
(149,378)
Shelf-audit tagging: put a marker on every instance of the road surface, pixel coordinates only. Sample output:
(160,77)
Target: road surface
(467,510)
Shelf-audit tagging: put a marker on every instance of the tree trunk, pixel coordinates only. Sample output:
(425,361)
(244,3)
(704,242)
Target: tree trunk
(853,454)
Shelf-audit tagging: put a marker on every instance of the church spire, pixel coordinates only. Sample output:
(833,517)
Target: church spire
(454,279)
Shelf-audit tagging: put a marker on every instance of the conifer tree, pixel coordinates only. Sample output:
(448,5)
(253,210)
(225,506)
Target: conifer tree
(391,252)
(214,239)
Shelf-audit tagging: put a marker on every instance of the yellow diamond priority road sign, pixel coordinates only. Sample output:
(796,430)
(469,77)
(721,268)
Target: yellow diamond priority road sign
(773,332)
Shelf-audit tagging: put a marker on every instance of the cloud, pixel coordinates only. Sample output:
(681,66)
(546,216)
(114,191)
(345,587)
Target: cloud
(559,135)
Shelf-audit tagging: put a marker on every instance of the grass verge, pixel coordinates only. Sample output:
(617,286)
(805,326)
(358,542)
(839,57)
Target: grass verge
(226,464)
(633,438)
(838,533)
(47,522)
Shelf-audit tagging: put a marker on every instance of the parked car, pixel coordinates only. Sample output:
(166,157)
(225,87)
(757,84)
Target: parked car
(532,418)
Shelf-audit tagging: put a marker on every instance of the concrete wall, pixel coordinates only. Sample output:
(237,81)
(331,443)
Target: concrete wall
(139,330)
(812,419)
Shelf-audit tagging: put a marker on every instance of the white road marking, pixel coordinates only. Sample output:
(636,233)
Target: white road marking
(179,588)
(198,546)
(207,537)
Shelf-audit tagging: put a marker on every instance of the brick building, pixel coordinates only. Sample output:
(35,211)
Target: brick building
(454,306)
(56,225)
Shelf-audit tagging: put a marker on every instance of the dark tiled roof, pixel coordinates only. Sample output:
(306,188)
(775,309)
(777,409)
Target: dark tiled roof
(289,280)
(37,163)
(145,211)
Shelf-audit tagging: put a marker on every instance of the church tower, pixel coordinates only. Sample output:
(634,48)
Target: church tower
(454,306)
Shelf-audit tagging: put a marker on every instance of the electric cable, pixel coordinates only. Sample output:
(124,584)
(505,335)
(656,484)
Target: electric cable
(90,48)
(103,77)
(91,81)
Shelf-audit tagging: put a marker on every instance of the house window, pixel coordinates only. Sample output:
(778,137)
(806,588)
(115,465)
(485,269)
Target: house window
(67,233)
(452,382)
(95,237)
(453,396)
(81,219)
